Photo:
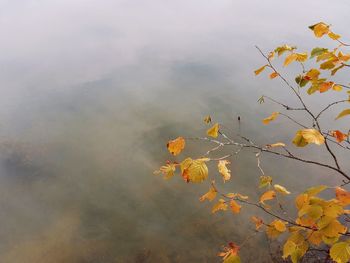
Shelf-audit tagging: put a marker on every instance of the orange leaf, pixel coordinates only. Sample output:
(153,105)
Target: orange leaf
(235,207)
(176,146)
(273,75)
(342,195)
(258,222)
(267,196)
(339,135)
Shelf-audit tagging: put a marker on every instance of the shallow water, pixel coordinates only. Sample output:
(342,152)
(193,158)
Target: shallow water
(92,91)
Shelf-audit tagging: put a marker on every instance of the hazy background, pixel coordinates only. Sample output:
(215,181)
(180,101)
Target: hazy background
(91,91)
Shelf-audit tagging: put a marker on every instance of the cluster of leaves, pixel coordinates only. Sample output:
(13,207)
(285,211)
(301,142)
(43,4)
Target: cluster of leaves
(319,224)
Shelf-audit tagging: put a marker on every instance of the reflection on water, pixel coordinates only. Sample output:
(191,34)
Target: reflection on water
(86,110)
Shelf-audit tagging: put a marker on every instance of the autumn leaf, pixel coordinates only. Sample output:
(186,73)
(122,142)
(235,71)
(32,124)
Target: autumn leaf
(339,135)
(176,146)
(340,252)
(315,190)
(273,75)
(277,144)
(306,136)
(265,180)
(272,117)
(194,171)
(276,228)
(223,170)
(214,131)
(230,253)
(280,50)
(301,57)
(289,59)
(281,189)
(257,221)
(342,196)
(320,29)
(207,119)
(318,51)
(221,205)
(267,196)
(235,207)
(259,70)
(343,113)
(167,170)
(333,36)
(210,195)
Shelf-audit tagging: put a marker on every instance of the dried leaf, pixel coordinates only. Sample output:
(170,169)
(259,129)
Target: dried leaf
(176,146)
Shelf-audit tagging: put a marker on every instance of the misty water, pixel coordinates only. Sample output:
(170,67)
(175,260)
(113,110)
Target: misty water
(91,91)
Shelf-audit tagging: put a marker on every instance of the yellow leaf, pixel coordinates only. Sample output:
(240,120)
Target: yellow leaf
(312,74)
(320,29)
(270,118)
(288,249)
(337,88)
(315,190)
(167,170)
(221,205)
(271,55)
(223,170)
(277,144)
(214,131)
(265,180)
(176,146)
(342,196)
(194,171)
(210,195)
(343,113)
(281,189)
(273,75)
(280,50)
(279,225)
(301,57)
(333,229)
(306,136)
(329,64)
(313,211)
(236,208)
(207,119)
(301,200)
(267,196)
(232,259)
(340,252)
(333,36)
(289,59)
(259,70)
(257,221)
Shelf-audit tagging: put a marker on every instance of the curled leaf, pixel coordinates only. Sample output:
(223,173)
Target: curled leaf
(257,221)
(259,70)
(223,170)
(269,195)
(221,205)
(167,170)
(281,189)
(272,117)
(210,195)
(343,113)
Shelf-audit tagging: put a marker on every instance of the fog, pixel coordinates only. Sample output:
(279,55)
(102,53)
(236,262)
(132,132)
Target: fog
(91,91)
